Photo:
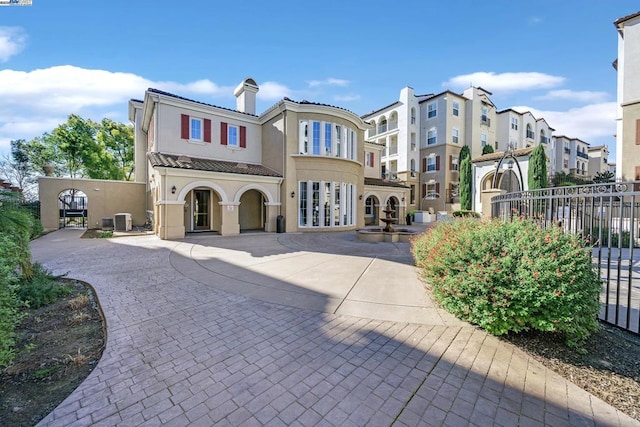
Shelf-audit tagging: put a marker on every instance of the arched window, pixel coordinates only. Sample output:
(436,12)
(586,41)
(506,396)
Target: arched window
(530,134)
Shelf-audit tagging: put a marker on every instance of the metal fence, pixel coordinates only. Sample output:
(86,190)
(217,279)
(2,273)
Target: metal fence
(608,216)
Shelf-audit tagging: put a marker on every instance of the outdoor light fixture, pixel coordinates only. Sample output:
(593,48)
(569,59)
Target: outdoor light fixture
(403,198)
(173,190)
(360,197)
(293,194)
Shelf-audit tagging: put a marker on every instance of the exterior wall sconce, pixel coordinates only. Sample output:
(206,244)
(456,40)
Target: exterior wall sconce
(402,198)
(293,194)
(173,190)
(360,197)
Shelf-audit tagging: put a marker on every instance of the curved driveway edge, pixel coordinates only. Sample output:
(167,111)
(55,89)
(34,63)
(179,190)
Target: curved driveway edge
(181,350)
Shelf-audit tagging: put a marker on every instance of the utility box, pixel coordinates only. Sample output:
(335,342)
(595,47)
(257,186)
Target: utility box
(107,223)
(122,222)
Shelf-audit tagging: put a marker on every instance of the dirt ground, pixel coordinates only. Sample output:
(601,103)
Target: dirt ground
(63,342)
(59,345)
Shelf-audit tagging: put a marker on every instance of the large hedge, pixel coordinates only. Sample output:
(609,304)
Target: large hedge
(511,277)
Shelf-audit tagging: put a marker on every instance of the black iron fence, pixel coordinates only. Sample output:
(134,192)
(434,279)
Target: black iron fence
(608,217)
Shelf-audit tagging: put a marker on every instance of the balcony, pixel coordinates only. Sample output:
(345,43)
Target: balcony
(567,150)
(384,127)
(390,151)
(544,140)
(484,120)
(583,155)
(530,135)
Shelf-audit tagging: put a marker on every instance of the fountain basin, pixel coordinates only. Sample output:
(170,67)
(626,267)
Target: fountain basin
(377,234)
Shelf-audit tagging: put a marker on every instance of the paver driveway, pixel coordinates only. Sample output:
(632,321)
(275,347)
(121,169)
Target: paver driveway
(262,330)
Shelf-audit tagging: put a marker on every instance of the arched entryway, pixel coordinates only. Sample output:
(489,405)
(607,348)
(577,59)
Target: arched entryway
(252,213)
(202,210)
(371,211)
(393,204)
(73,206)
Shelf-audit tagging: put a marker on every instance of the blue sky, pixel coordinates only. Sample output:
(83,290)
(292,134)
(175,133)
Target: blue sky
(549,57)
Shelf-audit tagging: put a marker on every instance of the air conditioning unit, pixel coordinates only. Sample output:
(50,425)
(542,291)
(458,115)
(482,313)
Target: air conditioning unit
(122,222)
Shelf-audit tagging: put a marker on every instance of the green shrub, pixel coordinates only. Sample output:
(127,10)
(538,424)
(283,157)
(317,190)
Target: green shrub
(465,213)
(36,228)
(9,302)
(41,288)
(105,234)
(511,276)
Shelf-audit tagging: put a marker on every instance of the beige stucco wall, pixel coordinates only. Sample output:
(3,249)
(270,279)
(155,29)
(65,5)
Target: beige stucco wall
(631,156)
(104,199)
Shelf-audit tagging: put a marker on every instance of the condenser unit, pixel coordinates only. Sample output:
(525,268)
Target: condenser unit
(122,222)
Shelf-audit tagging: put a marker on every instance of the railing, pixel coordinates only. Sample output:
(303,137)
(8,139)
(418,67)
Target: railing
(608,216)
(530,134)
(484,120)
(544,140)
(583,155)
(567,150)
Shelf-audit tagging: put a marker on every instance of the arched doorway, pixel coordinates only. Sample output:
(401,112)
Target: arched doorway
(202,210)
(371,211)
(252,212)
(72,207)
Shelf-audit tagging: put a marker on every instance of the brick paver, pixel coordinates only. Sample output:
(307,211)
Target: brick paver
(183,352)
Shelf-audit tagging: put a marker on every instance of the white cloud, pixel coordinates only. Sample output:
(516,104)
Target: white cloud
(12,41)
(589,123)
(582,96)
(329,82)
(505,82)
(270,91)
(346,98)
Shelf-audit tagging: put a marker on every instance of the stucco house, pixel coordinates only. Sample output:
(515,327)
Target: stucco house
(299,166)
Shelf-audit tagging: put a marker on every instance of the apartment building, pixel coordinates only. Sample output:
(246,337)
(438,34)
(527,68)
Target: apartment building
(396,127)
(572,156)
(598,160)
(628,109)
(522,130)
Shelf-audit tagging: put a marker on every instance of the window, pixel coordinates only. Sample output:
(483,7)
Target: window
(195,128)
(483,139)
(413,166)
(326,204)
(412,196)
(413,141)
(232,140)
(456,108)
(483,115)
(454,135)
(316,138)
(432,136)
(368,206)
(232,135)
(432,190)
(413,116)
(454,163)
(432,164)
(369,159)
(338,139)
(514,123)
(303,139)
(530,133)
(543,137)
(327,139)
(432,110)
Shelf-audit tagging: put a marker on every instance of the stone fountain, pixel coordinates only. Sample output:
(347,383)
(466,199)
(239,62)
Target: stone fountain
(388,233)
(388,219)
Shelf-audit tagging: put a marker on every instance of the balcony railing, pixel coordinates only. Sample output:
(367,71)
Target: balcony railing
(530,135)
(484,120)
(567,150)
(544,140)
(583,155)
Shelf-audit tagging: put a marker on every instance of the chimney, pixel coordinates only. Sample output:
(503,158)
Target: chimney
(245,95)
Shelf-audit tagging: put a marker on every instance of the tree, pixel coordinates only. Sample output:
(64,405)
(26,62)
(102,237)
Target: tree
(14,167)
(537,169)
(487,149)
(464,152)
(465,184)
(606,176)
(81,148)
(117,138)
